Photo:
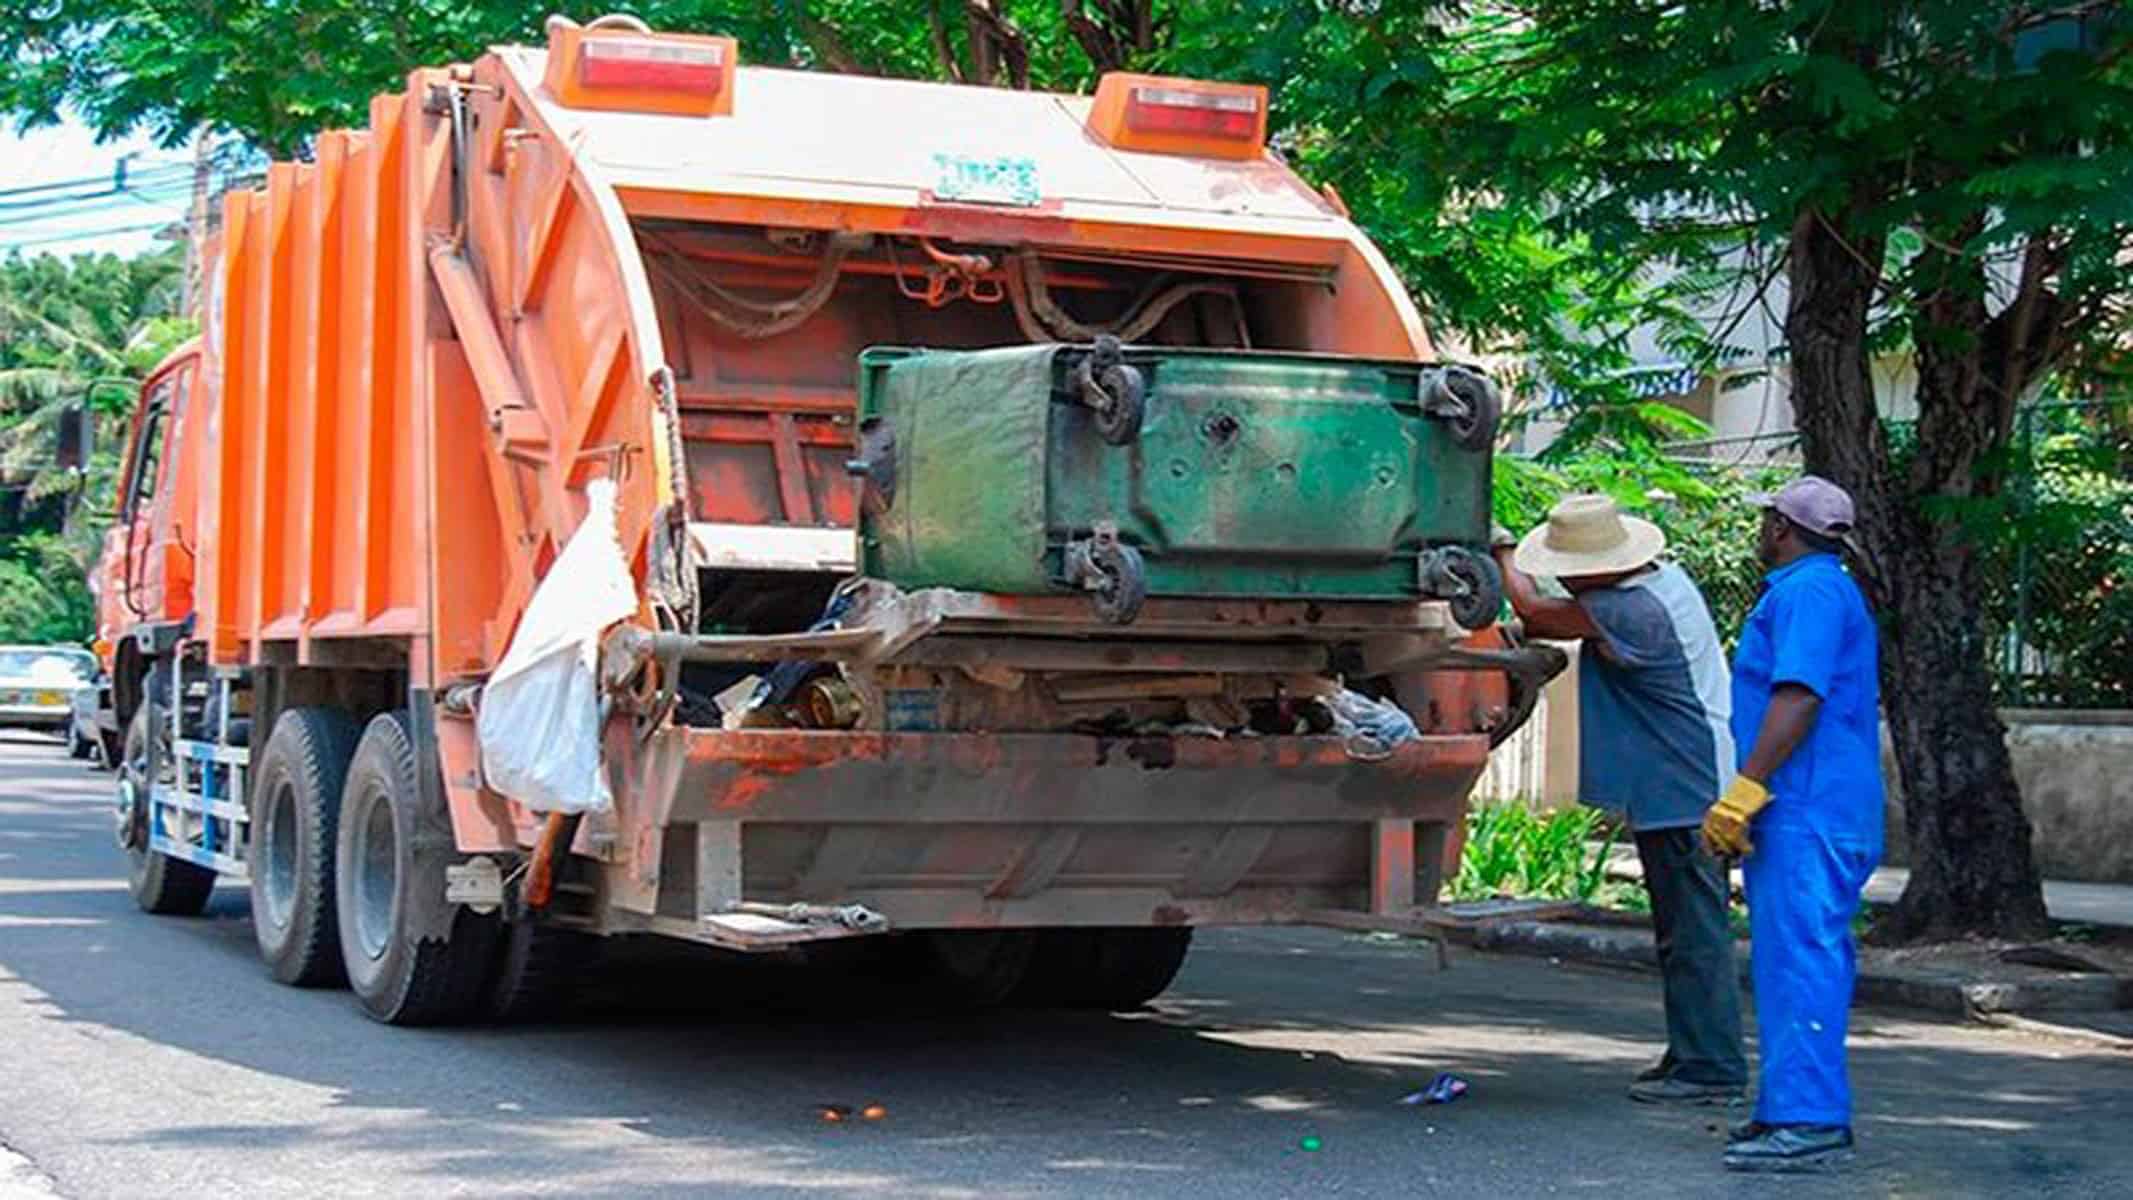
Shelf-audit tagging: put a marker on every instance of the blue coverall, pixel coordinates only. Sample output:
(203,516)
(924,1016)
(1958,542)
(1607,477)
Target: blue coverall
(1819,838)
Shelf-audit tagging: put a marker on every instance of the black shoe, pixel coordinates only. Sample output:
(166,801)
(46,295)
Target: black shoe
(1658,1070)
(1791,1148)
(1673,1089)
(1744,1131)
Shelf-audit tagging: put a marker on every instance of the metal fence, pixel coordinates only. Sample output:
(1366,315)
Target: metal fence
(2057,554)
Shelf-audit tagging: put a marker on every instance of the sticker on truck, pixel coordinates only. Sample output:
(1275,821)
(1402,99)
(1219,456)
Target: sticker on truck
(970,179)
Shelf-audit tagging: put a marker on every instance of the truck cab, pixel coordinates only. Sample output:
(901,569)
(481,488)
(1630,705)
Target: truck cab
(143,577)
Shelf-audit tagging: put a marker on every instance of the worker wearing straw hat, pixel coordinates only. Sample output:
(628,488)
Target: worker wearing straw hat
(1655,746)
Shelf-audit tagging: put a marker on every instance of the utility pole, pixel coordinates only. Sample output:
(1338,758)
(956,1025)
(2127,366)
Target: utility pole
(196,224)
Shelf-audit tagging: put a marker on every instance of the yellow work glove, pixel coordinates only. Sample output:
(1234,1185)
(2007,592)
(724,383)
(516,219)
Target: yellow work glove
(1725,826)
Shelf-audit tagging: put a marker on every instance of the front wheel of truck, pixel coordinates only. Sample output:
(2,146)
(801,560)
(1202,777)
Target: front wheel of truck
(159,883)
(407,963)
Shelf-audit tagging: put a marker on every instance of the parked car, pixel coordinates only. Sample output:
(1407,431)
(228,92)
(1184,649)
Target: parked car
(86,735)
(37,686)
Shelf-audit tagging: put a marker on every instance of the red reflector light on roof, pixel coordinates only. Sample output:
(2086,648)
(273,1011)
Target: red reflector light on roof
(612,62)
(1157,115)
(619,64)
(1202,114)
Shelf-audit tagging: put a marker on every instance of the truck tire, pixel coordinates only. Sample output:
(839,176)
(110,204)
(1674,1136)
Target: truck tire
(966,969)
(1105,970)
(295,816)
(536,973)
(387,863)
(160,884)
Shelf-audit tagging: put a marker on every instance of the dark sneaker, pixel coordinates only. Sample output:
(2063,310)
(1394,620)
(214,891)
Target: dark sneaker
(1744,1131)
(1673,1089)
(1791,1148)
(1658,1070)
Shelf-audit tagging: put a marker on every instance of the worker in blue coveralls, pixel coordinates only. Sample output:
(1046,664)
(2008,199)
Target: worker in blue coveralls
(1654,745)
(1804,813)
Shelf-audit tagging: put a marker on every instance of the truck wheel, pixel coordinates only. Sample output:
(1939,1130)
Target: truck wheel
(388,866)
(973,968)
(160,884)
(297,805)
(537,971)
(1107,970)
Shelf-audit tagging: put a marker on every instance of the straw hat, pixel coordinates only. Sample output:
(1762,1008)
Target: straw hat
(1588,535)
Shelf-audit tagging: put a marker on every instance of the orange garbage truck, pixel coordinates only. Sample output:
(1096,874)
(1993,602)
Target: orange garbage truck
(624,491)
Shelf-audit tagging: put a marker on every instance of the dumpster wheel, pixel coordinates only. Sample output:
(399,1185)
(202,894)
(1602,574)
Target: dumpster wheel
(1115,392)
(1468,580)
(1112,572)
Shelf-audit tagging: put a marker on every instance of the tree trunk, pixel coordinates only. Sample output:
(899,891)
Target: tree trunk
(1971,870)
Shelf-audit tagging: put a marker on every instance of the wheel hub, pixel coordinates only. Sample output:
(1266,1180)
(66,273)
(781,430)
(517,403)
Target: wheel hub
(279,872)
(128,814)
(376,869)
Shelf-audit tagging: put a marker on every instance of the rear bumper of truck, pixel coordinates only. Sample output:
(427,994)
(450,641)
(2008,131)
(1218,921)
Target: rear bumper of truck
(972,830)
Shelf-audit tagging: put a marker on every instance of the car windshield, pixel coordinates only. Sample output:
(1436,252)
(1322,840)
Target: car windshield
(59,666)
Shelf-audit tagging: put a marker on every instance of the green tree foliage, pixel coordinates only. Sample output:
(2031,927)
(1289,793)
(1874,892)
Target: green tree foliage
(1954,180)
(73,333)
(277,73)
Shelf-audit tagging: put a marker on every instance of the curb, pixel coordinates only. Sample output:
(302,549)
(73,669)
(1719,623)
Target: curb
(2094,1038)
(1620,947)
(2074,993)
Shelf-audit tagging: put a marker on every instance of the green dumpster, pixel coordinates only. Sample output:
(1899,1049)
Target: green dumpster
(1128,471)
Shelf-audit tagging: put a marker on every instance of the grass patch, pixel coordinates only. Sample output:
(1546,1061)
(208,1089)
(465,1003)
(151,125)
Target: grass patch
(1512,850)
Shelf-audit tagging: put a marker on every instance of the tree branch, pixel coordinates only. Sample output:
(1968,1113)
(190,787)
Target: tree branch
(828,45)
(951,66)
(994,39)
(2013,327)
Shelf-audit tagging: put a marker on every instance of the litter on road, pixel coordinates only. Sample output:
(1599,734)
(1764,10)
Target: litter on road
(1444,1089)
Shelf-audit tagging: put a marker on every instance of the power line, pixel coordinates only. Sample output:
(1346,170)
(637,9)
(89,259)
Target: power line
(166,194)
(82,235)
(144,181)
(107,178)
(114,199)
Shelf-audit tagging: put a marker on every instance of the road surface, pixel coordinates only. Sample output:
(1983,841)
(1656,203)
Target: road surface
(153,1057)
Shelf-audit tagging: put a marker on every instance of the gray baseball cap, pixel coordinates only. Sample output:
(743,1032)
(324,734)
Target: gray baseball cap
(1813,503)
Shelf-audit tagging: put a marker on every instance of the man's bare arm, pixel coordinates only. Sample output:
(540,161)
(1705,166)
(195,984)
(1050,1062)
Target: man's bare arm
(1544,616)
(1786,723)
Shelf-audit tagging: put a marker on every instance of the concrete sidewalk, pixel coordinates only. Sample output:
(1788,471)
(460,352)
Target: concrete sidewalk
(2085,903)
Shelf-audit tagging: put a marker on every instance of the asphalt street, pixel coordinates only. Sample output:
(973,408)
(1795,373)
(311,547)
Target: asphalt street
(145,1056)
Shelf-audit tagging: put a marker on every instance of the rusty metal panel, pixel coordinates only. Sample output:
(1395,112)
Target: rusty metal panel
(1032,829)
(802,775)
